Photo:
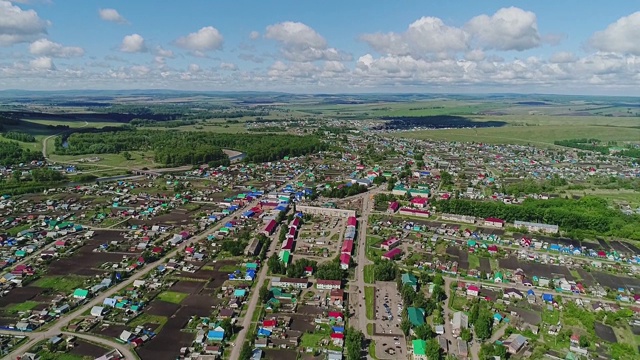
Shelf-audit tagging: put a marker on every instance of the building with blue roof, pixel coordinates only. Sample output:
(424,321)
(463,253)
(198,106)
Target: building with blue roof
(530,292)
(547,297)
(216,335)
(264,332)
(338,329)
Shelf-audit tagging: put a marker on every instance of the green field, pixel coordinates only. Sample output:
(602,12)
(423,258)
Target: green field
(618,196)
(24,306)
(535,135)
(370,295)
(138,159)
(369,275)
(144,318)
(173,297)
(474,261)
(65,284)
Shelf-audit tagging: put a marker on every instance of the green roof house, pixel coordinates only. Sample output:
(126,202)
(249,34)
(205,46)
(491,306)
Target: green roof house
(419,349)
(80,294)
(498,277)
(411,280)
(416,316)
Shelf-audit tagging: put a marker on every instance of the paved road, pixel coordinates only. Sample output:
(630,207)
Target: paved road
(56,328)
(253,301)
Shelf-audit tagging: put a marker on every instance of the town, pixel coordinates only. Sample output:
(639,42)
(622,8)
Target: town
(389,248)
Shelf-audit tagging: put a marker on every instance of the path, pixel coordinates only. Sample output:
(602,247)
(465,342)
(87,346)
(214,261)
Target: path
(45,140)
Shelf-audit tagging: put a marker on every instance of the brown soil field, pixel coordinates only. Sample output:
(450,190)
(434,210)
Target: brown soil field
(20,295)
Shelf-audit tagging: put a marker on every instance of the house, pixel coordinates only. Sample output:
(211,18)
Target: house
(336,296)
(390,243)
(547,297)
(290,282)
(328,284)
(414,212)
(513,293)
(514,343)
(494,222)
(308,271)
(492,249)
(416,316)
(473,290)
(345,260)
(335,316)
(459,322)
(419,350)
(419,202)
(98,311)
(534,227)
(393,207)
(463,348)
(392,254)
(216,334)
(125,336)
(337,339)
(80,294)
(411,280)
(498,278)
(270,228)
(269,324)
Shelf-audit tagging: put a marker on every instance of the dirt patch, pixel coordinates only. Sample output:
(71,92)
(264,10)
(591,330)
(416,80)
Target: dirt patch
(162,308)
(302,323)
(534,269)
(485,265)
(188,287)
(280,354)
(20,295)
(605,332)
(199,301)
(82,348)
(113,331)
(167,344)
(309,310)
(614,282)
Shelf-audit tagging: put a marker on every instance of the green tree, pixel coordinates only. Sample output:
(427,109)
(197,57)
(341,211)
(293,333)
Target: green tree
(434,352)
(405,326)
(483,325)
(246,352)
(584,341)
(466,335)
(126,155)
(424,332)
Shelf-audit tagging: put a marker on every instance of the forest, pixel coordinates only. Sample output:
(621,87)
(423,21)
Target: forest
(182,148)
(588,215)
(600,147)
(12,154)
(19,136)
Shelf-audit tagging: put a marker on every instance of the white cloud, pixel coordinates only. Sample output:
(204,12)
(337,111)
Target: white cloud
(44,47)
(42,64)
(228,66)
(164,52)
(206,39)
(426,35)
(17,25)
(620,37)
(301,43)
(112,15)
(194,68)
(508,29)
(254,35)
(133,43)
(475,55)
(562,57)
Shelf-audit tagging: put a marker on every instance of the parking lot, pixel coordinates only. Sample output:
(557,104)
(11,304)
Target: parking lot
(390,342)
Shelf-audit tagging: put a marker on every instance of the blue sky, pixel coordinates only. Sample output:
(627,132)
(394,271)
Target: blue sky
(322,46)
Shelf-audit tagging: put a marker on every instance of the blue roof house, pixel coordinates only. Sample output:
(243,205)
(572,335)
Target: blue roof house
(547,297)
(216,334)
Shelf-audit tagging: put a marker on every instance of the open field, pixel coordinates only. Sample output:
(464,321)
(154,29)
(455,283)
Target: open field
(138,159)
(25,306)
(173,297)
(613,195)
(60,283)
(369,293)
(538,135)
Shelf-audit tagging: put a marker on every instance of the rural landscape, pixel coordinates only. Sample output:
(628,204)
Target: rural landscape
(195,225)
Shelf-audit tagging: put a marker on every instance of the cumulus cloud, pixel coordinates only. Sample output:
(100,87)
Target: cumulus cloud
(254,35)
(301,43)
(112,15)
(44,47)
(206,39)
(508,29)
(619,37)
(562,57)
(17,25)
(194,68)
(133,43)
(42,64)
(164,52)
(228,66)
(425,35)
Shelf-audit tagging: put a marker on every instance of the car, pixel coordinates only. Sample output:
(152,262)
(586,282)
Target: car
(397,343)
(395,338)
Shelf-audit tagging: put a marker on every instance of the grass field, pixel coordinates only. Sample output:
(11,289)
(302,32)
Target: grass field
(64,284)
(616,196)
(535,135)
(24,306)
(370,329)
(173,297)
(369,275)
(138,159)
(229,268)
(474,261)
(550,317)
(148,319)
(370,295)
(59,356)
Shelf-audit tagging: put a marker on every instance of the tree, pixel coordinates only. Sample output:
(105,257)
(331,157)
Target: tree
(483,325)
(438,293)
(466,335)
(424,332)
(264,294)
(227,326)
(438,280)
(353,343)
(126,155)
(391,183)
(405,325)
(275,265)
(246,352)
(434,352)
(584,341)
(385,271)
(330,270)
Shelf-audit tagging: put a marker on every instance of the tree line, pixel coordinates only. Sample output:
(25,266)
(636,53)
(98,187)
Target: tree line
(182,148)
(12,154)
(586,215)
(19,136)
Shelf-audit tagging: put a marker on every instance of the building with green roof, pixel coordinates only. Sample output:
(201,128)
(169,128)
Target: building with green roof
(81,294)
(419,349)
(411,280)
(416,316)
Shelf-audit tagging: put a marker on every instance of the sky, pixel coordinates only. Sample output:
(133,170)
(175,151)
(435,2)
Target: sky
(327,46)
